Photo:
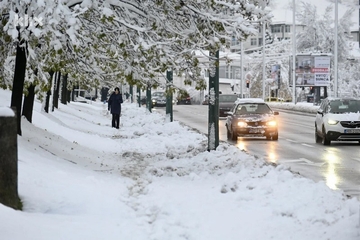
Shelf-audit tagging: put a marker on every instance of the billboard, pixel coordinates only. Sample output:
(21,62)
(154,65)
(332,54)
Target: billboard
(311,70)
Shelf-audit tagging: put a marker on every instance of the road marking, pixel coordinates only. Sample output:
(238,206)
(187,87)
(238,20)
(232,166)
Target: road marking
(307,145)
(303,161)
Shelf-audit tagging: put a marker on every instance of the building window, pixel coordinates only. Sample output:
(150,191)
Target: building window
(235,72)
(276,28)
(260,42)
(287,28)
(253,42)
(222,71)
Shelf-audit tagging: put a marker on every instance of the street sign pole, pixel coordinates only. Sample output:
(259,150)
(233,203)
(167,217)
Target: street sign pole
(213,124)
(169,95)
(148,97)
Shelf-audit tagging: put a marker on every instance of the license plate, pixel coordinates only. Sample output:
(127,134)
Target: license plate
(254,130)
(357,130)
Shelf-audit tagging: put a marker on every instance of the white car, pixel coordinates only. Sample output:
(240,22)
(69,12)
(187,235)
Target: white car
(338,119)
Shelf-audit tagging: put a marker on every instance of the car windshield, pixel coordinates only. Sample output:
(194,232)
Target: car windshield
(345,106)
(253,108)
(158,94)
(227,98)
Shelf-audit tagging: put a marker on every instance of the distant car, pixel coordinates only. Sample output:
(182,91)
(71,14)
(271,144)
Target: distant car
(206,100)
(158,99)
(226,101)
(251,117)
(338,119)
(184,99)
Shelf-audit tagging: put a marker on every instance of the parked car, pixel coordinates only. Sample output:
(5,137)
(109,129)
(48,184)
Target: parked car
(226,101)
(251,117)
(183,98)
(142,100)
(338,119)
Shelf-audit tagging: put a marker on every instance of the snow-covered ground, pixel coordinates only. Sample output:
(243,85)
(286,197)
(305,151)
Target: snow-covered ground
(154,179)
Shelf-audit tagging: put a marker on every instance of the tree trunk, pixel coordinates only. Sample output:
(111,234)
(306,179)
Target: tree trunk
(56,91)
(18,83)
(48,94)
(9,162)
(64,90)
(29,103)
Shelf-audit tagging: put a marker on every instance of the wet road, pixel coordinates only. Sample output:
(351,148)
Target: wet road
(338,165)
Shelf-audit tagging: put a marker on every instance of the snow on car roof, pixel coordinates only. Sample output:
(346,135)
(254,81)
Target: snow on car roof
(250,100)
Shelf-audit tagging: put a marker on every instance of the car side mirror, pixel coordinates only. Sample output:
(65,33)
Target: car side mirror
(228,113)
(321,112)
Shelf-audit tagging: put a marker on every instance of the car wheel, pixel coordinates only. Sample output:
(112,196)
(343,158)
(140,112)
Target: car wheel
(233,136)
(317,137)
(228,133)
(325,140)
(275,137)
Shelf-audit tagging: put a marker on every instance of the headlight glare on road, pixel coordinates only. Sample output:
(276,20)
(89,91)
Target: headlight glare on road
(242,124)
(332,122)
(271,123)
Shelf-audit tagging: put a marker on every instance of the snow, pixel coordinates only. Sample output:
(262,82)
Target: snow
(6,112)
(78,178)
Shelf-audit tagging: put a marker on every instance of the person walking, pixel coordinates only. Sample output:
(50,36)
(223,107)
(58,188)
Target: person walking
(114,106)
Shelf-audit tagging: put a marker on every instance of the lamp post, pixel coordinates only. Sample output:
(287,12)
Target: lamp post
(293,55)
(242,68)
(336,51)
(263,59)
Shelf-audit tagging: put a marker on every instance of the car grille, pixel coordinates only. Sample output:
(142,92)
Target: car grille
(256,124)
(350,124)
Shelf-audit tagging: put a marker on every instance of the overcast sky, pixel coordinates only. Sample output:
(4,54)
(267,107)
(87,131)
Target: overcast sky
(283,13)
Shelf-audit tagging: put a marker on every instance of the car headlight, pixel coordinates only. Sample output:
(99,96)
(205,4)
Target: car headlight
(153,100)
(332,122)
(271,123)
(242,124)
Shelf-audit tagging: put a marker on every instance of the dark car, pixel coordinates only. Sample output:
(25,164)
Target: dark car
(251,117)
(142,100)
(226,101)
(183,99)
(206,100)
(158,99)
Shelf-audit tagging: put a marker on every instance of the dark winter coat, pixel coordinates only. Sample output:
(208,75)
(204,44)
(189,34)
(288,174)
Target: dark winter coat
(114,103)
